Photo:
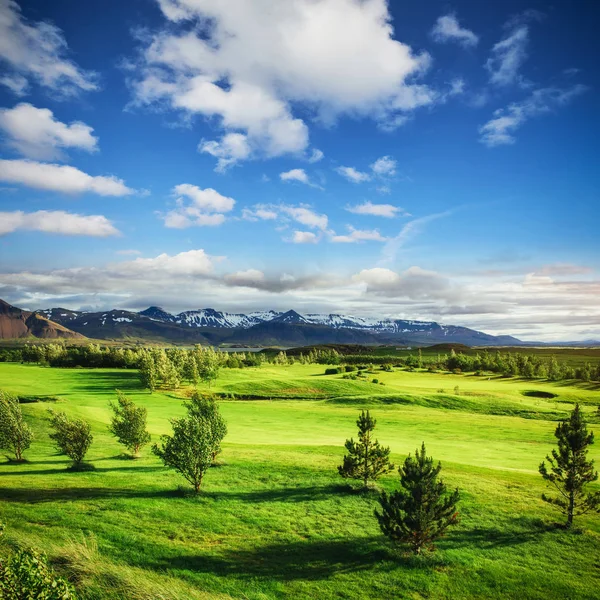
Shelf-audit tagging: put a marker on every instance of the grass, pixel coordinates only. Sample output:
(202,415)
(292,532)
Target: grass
(275,520)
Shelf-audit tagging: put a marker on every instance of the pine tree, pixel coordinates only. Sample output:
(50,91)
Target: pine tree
(15,434)
(421,510)
(128,424)
(366,459)
(570,471)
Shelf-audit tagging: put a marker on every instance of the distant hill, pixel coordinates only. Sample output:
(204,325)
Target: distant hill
(16,323)
(266,328)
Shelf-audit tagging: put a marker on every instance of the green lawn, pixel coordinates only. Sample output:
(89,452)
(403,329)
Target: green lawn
(275,520)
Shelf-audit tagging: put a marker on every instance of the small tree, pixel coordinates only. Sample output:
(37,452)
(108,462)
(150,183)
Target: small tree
(15,434)
(128,424)
(207,408)
(421,510)
(148,373)
(366,459)
(570,470)
(72,437)
(191,448)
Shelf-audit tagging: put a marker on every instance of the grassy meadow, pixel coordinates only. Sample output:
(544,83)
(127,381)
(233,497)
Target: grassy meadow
(274,519)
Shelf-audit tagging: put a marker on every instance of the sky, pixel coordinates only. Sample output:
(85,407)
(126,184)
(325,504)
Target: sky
(406,159)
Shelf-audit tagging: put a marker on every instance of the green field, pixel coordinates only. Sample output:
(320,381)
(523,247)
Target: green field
(274,520)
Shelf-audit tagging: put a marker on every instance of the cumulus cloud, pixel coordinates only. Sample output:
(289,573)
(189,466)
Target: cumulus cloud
(353,175)
(56,221)
(448,29)
(38,51)
(358,235)
(384,166)
(305,216)
(500,130)
(295,175)
(196,206)
(60,178)
(34,132)
(378,210)
(260,212)
(231,149)
(304,237)
(257,61)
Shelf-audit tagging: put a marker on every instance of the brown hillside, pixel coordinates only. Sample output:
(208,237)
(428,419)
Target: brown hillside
(17,323)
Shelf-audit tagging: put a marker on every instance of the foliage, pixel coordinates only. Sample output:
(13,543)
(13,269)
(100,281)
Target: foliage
(194,444)
(570,470)
(15,434)
(366,459)
(421,510)
(206,407)
(72,437)
(128,423)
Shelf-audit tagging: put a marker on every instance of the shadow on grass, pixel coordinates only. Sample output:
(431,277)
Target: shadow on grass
(65,469)
(308,560)
(35,496)
(107,381)
(521,531)
(298,494)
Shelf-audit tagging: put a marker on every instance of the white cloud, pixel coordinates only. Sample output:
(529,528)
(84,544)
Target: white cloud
(232,148)
(358,235)
(384,166)
(56,221)
(316,156)
(377,210)
(38,50)
(34,132)
(195,206)
(305,216)
(248,278)
(507,57)
(304,237)
(353,175)
(17,84)
(500,130)
(295,175)
(258,61)
(448,29)
(260,212)
(60,178)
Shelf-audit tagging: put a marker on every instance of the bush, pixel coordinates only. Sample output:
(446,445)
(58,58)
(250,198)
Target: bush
(72,437)
(349,368)
(332,371)
(375,380)
(26,574)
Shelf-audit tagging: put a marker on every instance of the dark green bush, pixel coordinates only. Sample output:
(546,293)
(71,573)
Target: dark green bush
(332,371)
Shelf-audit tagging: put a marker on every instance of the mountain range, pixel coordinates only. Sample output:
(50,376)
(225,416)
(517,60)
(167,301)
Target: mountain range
(263,328)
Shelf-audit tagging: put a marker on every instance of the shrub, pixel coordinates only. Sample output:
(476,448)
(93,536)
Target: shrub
(375,380)
(128,424)
(15,434)
(349,368)
(72,437)
(26,575)
(332,371)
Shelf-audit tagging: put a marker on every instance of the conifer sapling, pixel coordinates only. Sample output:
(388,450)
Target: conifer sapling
(421,510)
(569,469)
(366,459)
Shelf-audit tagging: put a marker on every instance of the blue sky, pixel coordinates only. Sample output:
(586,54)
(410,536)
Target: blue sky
(419,160)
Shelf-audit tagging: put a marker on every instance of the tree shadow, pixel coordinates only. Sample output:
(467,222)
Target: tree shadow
(307,560)
(521,531)
(297,494)
(107,381)
(65,469)
(40,495)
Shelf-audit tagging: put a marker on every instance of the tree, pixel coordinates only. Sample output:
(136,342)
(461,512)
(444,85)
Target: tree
(193,445)
(421,510)
(206,407)
(128,424)
(72,437)
(208,365)
(148,372)
(15,434)
(569,469)
(366,459)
